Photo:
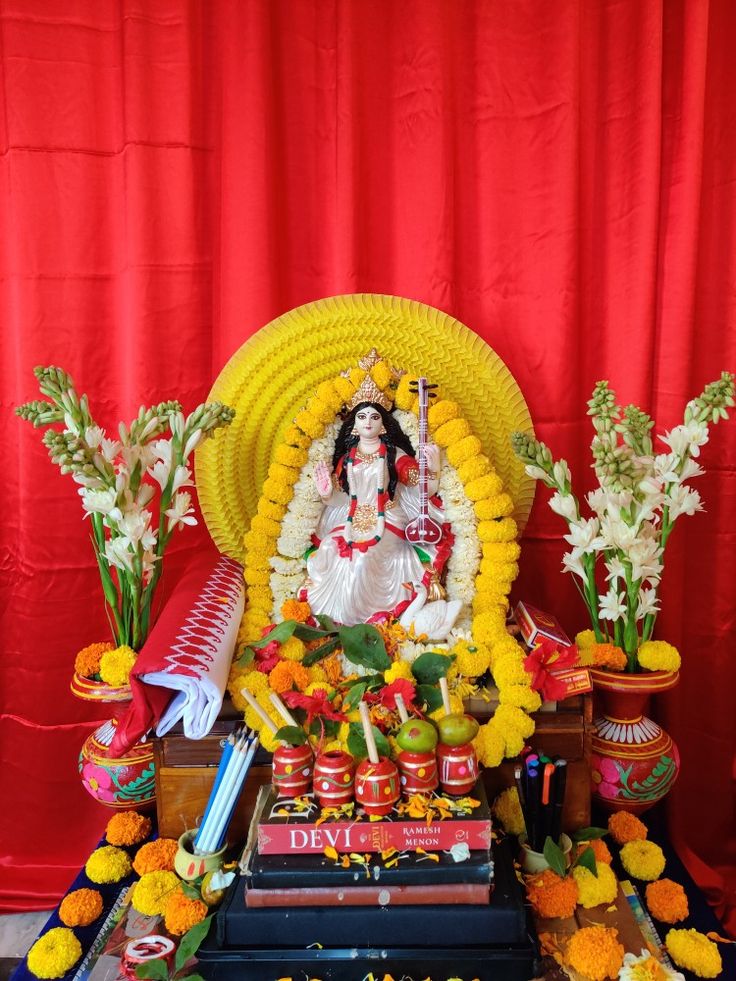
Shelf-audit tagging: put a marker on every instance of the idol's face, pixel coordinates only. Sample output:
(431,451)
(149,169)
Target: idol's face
(368,423)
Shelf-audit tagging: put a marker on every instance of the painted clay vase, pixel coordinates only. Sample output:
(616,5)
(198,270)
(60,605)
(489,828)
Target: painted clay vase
(126,782)
(98,691)
(334,777)
(418,772)
(292,770)
(634,762)
(377,786)
(458,768)
(189,866)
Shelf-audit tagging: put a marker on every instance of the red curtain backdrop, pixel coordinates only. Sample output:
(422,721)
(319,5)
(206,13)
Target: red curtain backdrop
(173,175)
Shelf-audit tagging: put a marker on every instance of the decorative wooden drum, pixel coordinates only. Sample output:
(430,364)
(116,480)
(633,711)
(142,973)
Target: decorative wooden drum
(458,766)
(377,786)
(334,776)
(292,770)
(418,773)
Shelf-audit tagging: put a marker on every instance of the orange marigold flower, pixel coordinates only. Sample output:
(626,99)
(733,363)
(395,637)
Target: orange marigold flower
(127,828)
(607,656)
(595,952)
(288,675)
(552,896)
(80,908)
(156,856)
(600,850)
(294,610)
(626,827)
(181,913)
(667,901)
(87,661)
(333,667)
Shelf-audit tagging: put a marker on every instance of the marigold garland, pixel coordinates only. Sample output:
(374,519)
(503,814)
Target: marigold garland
(53,954)
(626,827)
(551,895)
(107,864)
(595,952)
(507,809)
(695,952)
(156,856)
(152,891)
(667,901)
(116,665)
(643,859)
(182,913)
(87,661)
(658,655)
(80,908)
(595,890)
(127,828)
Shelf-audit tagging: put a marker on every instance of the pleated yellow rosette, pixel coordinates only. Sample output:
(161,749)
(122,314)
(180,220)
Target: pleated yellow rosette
(273,375)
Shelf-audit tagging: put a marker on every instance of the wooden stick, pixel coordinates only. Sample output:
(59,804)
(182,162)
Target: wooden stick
(283,711)
(445,695)
(370,739)
(401,708)
(260,711)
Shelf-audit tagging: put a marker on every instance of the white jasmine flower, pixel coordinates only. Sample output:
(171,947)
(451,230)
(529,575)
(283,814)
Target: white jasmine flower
(93,436)
(683,500)
(583,534)
(182,478)
(136,526)
(572,562)
(615,570)
(109,448)
(564,505)
(536,472)
(181,512)
(648,603)
(616,533)
(117,553)
(612,606)
(690,469)
(598,501)
(192,443)
(98,501)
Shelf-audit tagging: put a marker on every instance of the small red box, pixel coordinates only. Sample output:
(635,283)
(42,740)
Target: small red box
(535,623)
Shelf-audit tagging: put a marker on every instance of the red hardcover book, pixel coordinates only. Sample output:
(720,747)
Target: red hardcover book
(284,829)
(454,894)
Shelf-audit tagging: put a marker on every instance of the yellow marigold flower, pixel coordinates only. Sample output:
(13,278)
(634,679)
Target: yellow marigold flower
(294,610)
(513,742)
(182,913)
(80,908)
(595,952)
(156,856)
(344,387)
(488,626)
(626,827)
(317,673)
(116,665)
(255,681)
(500,530)
(507,810)
(293,436)
(290,456)
(313,686)
(471,659)
(441,412)
(358,376)
(475,467)
(506,646)
(260,597)
(667,901)
(483,487)
(494,506)
(489,745)
(594,891)
(511,717)
(152,890)
(459,452)
(127,828)
(522,696)
(260,547)
(643,860)
(53,954)
(309,424)
(324,413)
(266,525)
(288,675)
(256,577)
(695,952)
(107,864)
(268,739)
(658,655)
(404,394)
(606,656)
(486,600)
(452,432)
(254,621)
(586,638)
(327,392)
(501,551)
(277,490)
(381,375)
(292,649)
(550,895)
(87,661)
(456,705)
(399,669)
(271,510)
(509,670)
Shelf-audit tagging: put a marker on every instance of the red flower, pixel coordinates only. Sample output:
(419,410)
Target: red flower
(316,704)
(546,657)
(266,658)
(399,687)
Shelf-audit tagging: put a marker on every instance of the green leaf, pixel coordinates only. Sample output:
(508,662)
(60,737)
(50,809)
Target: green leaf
(327,623)
(194,977)
(281,632)
(430,697)
(319,652)
(555,858)
(292,735)
(354,696)
(587,859)
(588,834)
(362,644)
(356,742)
(326,727)
(190,942)
(305,632)
(430,667)
(153,969)
(190,890)
(246,657)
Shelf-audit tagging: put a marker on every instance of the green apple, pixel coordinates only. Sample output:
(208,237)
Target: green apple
(457,729)
(417,736)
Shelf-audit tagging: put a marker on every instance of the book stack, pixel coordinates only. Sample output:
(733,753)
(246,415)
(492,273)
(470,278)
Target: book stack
(295,857)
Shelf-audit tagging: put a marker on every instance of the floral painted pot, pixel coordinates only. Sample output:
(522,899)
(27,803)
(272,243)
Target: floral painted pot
(634,762)
(189,866)
(98,691)
(125,782)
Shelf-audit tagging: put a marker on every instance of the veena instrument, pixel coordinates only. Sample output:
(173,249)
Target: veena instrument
(422,530)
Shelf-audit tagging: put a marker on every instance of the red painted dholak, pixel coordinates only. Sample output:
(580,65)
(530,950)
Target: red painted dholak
(292,770)
(458,768)
(418,772)
(377,786)
(334,777)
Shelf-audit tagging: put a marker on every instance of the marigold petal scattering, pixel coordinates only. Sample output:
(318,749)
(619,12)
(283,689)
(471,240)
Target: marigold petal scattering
(80,908)
(53,954)
(695,952)
(108,864)
(626,827)
(643,859)
(595,952)
(127,828)
(667,901)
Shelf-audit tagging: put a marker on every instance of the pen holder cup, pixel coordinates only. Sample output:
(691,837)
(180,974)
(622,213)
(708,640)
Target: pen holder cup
(533,862)
(189,866)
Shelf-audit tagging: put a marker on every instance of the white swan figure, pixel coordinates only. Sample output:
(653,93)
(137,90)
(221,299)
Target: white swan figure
(435,619)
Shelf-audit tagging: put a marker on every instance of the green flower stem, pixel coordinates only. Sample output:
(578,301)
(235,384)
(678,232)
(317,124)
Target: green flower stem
(631,636)
(591,596)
